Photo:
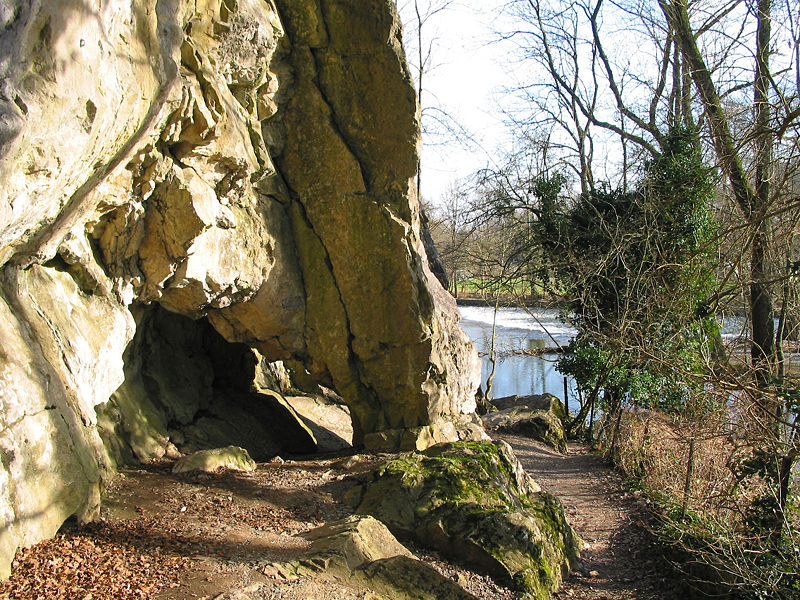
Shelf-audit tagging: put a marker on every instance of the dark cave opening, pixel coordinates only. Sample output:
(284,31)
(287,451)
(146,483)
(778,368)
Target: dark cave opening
(187,388)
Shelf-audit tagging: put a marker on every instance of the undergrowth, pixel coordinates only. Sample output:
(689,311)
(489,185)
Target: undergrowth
(713,518)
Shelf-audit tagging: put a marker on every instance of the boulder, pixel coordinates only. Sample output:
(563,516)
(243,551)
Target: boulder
(541,417)
(405,578)
(361,555)
(533,402)
(356,540)
(473,501)
(541,425)
(231,458)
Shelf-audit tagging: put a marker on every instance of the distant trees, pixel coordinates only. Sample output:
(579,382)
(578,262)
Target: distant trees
(654,185)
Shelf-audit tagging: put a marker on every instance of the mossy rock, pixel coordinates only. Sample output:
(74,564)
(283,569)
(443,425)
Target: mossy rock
(230,457)
(541,425)
(406,578)
(473,501)
(547,402)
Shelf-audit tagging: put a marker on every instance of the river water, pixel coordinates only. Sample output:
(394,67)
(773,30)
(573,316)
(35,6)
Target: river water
(533,329)
(517,330)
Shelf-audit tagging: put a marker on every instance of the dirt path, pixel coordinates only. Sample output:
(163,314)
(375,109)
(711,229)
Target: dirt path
(202,536)
(618,563)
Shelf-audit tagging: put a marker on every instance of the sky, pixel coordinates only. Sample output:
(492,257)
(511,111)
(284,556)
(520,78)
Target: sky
(468,73)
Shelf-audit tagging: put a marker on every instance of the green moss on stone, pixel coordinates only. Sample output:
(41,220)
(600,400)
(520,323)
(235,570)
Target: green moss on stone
(471,499)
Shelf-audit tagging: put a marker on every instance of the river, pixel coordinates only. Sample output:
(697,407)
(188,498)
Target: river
(537,328)
(518,330)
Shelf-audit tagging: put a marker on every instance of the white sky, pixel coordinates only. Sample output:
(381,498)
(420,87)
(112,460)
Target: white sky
(467,71)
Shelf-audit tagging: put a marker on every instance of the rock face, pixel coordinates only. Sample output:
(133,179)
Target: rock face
(540,417)
(473,501)
(243,165)
(362,556)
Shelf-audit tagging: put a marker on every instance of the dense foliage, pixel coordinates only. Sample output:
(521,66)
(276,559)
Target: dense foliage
(635,270)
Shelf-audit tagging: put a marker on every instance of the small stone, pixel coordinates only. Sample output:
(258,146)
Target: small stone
(230,457)
(280,571)
(594,574)
(172,452)
(351,462)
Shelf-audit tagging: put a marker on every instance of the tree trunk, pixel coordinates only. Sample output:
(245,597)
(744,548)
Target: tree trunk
(784,477)
(492,352)
(615,437)
(752,201)
(761,308)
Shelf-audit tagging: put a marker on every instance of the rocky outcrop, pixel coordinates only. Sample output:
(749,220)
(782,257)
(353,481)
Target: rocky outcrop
(363,557)
(474,501)
(540,417)
(243,165)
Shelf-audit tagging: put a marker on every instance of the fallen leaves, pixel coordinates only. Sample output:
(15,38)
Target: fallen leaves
(102,561)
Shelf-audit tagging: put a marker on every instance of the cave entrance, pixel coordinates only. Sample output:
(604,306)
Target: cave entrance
(187,388)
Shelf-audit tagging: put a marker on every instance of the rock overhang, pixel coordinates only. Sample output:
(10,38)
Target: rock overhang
(245,163)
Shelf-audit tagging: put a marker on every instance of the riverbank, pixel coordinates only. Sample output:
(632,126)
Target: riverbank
(507,302)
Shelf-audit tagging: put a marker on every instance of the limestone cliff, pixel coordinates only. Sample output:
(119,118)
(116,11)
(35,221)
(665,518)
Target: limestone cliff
(189,189)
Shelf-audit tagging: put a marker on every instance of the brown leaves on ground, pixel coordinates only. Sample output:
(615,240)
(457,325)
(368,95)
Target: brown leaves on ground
(102,560)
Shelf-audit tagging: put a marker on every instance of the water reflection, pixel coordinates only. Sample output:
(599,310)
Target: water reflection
(517,330)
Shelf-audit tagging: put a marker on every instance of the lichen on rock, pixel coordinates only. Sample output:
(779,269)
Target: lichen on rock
(232,458)
(473,500)
(244,165)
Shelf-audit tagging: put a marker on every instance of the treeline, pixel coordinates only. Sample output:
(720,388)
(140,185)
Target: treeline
(652,188)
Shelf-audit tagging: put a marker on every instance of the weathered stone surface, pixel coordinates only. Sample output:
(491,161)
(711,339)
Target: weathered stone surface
(245,165)
(540,417)
(404,578)
(231,457)
(356,540)
(60,355)
(359,552)
(328,421)
(533,402)
(540,425)
(474,501)
(347,151)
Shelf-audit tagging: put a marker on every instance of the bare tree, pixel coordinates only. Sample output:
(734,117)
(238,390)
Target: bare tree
(775,110)
(422,19)
(452,229)
(614,79)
